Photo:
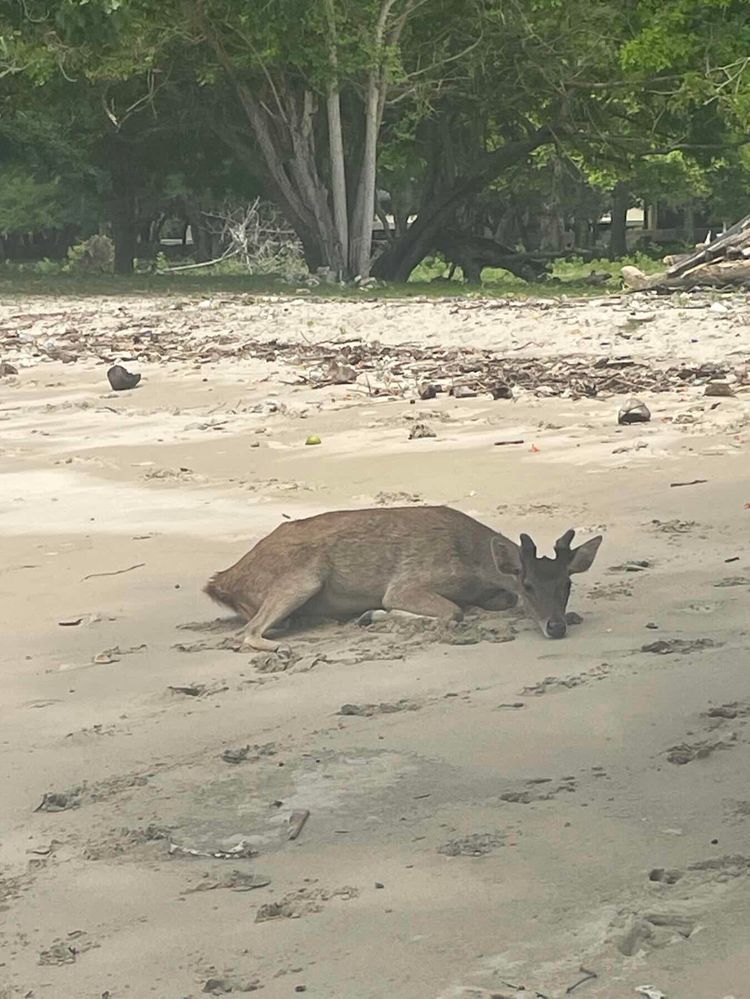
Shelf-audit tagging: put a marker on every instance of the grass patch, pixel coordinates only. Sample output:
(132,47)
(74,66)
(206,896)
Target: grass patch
(568,279)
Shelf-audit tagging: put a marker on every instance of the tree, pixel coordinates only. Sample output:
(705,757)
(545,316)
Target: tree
(432,100)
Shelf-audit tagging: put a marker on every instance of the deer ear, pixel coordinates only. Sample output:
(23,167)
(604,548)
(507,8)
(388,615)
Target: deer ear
(582,557)
(506,555)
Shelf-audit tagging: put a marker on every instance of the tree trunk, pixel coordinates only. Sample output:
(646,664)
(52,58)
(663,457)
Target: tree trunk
(688,221)
(407,251)
(124,227)
(336,148)
(338,177)
(199,231)
(618,246)
(361,247)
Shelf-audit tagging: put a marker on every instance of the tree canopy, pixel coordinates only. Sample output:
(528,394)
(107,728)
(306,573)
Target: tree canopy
(321,106)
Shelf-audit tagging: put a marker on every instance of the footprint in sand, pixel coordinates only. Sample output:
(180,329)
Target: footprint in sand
(474,845)
(679,902)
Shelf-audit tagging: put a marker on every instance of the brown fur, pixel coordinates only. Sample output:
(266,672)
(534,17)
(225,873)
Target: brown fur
(425,560)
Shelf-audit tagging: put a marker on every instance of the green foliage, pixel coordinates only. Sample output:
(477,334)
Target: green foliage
(27,204)
(94,256)
(93,93)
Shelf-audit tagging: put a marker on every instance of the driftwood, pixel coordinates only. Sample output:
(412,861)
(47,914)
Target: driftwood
(722,263)
(722,274)
(728,246)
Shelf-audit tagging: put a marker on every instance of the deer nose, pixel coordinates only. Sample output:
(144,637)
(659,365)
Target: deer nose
(556,629)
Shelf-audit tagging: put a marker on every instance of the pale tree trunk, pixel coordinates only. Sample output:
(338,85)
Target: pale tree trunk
(361,248)
(360,253)
(336,148)
(338,176)
(286,139)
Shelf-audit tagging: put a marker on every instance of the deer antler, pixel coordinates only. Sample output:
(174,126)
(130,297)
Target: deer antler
(562,545)
(528,548)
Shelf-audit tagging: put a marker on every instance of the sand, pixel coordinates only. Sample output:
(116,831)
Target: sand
(497,811)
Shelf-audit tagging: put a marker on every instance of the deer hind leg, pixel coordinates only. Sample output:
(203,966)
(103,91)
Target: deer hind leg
(289,593)
(418,599)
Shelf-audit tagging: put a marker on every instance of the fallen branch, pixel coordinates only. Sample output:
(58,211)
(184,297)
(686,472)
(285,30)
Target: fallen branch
(117,572)
(589,976)
(204,263)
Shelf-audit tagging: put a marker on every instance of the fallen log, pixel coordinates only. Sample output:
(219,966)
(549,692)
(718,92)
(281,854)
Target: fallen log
(722,274)
(733,240)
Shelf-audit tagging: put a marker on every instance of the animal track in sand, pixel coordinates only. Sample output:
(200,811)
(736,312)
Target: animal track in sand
(85,793)
(674,528)
(303,902)
(149,842)
(609,591)
(473,845)
(554,684)
(679,902)
(716,718)
(539,789)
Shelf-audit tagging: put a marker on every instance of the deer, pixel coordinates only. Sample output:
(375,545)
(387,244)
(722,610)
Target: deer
(432,561)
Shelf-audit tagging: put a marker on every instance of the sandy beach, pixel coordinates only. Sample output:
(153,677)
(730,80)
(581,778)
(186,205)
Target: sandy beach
(492,815)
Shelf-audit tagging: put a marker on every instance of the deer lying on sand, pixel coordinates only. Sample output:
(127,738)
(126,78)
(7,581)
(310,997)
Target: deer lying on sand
(431,561)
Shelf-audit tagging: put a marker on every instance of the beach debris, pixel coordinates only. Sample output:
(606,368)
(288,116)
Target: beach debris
(589,976)
(501,391)
(687,752)
(225,986)
(633,411)
(302,902)
(507,443)
(7,369)
(680,646)
(632,565)
(693,482)
(313,439)
(121,379)
(721,389)
(59,801)
(243,753)
(420,430)
(241,850)
(650,992)
(296,821)
(71,622)
(340,373)
(66,951)
(394,370)
(384,708)
(463,392)
(665,876)
(233,880)
(116,572)
(474,845)
(189,689)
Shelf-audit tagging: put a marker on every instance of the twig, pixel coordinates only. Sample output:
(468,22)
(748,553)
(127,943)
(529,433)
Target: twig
(590,976)
(117,572)
(203,263)
(296,821)
(693,482)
